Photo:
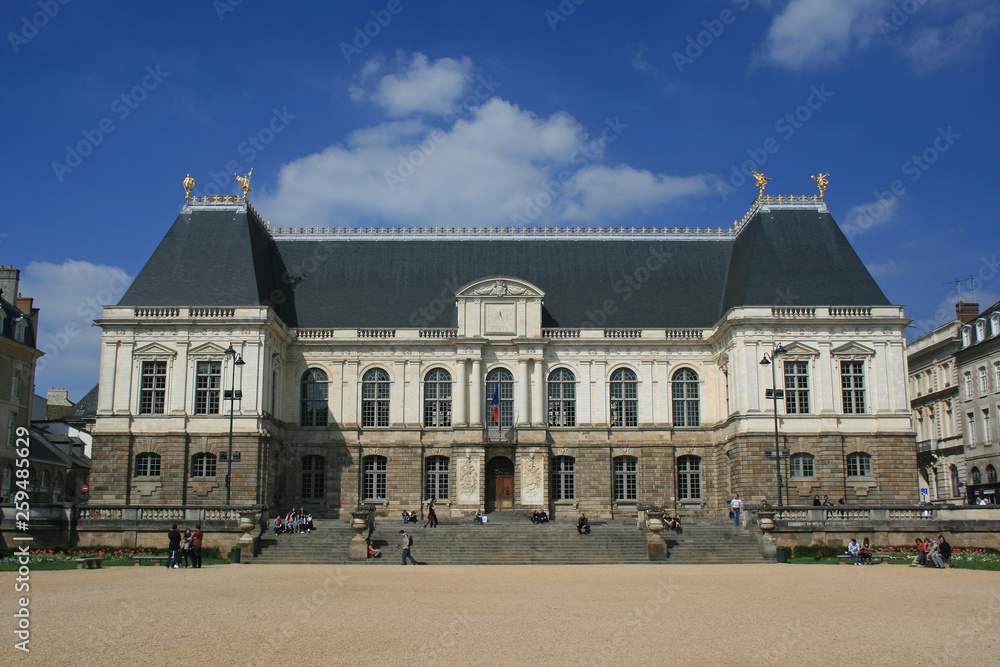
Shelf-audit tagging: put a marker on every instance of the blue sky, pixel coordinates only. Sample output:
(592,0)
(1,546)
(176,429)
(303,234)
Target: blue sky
(493,113)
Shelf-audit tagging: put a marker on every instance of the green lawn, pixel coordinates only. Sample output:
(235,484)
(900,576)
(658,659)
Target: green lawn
(958,565)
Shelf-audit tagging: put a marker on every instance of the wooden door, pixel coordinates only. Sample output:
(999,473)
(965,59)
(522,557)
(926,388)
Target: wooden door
(505,492)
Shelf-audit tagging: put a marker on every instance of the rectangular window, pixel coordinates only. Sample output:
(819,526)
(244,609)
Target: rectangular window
(374,482)
(971,420)
(208,381)
(626,478)
(996,375)
(16,389)
(987,435)
(984,380)
(796,387)
(153,388)
(12,430)
(852,384)
(802,466)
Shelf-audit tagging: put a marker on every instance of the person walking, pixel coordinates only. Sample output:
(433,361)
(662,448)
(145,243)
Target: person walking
(737,506)
(407,543)
(174,547)
(196,541)
(432,518)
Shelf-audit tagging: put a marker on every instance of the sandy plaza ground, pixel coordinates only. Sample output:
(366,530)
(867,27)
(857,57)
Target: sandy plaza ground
(509,615)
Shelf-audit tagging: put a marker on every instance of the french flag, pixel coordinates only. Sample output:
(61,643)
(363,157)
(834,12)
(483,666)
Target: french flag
(496,404)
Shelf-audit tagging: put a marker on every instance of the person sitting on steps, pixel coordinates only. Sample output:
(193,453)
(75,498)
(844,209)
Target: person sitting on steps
(583,524)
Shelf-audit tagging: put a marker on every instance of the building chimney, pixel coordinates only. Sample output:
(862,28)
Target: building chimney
(9,278)
(57,403)
(966,312)
(25,304)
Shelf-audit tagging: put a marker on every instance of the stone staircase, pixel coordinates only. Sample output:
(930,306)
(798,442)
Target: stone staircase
(510,539)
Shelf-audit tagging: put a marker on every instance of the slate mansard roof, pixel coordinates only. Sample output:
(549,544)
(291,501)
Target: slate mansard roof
(792,256)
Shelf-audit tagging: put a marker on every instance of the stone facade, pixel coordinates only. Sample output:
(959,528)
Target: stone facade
(978,366)
(671,417)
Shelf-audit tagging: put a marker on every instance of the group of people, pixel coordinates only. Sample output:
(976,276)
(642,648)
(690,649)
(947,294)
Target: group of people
(432,517)
(539,516)
(931,553)
(294,522)
(861,554)
(184,548)
(826,502)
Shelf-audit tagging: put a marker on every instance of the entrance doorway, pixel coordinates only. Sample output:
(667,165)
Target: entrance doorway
(499,484)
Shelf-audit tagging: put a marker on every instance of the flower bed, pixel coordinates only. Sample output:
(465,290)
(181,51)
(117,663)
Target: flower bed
(111,555)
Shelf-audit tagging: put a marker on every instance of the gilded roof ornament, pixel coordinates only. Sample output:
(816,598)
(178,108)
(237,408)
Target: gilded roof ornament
(822,180)
(245,182)
(761,181)
(188,187)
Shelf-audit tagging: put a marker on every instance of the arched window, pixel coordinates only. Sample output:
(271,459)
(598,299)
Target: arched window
(802,465)
(374,481)
(437,398)
(956,488)
(375,398)
(562,398)
(437,479)
(47,482)
(991,474)
(859,464)
(689,477)
(968,384)
(685,395)
(966,336)
(626,478)
(314,410)
(147,464)
(624,398)
(203,465)
(313,475)
(564,478)
(57,488)
(499,399)
(984,380)
(976,476)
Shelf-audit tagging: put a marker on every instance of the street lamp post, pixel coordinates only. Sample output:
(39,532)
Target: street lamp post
(232,397)
(770,360)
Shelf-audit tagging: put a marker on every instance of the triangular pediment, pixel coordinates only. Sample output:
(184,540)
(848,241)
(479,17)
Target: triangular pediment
(800,350)
(154,350)
(499,286)
(853,349)
(208,350)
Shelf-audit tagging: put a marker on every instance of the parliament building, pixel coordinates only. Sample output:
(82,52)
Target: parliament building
(573,369)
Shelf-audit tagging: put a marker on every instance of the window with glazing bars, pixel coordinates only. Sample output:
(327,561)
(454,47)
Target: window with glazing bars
(374,481)
(436,482)
(313,472)
(563,478)
(796,387)
(562,398)
(624,398)
(203,465)
(626,478)
(859,464)
(689,477)
(500,381)
(147,465)
(437,398)
(313,395)
(852,384)
(153,388)
(208,381)
(684,392)
(375,398)
(802,465)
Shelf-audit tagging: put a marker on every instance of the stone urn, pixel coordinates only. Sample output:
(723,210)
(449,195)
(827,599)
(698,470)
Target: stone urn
(654,523)
(359,521)
(766,522)
(358,548)
(248,521)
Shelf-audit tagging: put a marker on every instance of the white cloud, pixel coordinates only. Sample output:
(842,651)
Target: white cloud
(496,165)
(69,297)
(419,86)
(641,64)
(889,268)
(868,215)
(932,48)
(813,33)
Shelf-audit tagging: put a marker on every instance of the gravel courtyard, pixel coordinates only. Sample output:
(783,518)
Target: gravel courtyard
(502,615)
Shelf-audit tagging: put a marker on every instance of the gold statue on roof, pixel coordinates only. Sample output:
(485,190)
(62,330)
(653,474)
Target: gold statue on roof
(821,182)
(761,180)
(188,187)
(245,182)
